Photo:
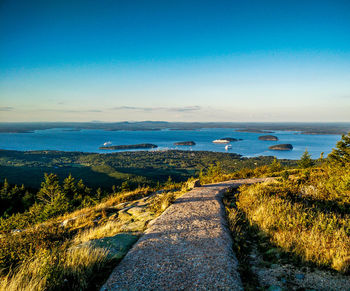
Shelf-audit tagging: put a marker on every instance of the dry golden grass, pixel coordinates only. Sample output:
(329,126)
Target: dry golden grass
(110,228)
(313,233)
(70,269)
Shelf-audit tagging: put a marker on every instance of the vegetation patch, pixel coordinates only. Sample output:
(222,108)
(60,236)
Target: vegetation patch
(77,250)
(295,232)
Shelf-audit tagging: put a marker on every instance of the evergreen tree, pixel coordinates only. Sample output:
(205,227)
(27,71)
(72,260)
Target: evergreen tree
(69,187)
(50,188)
(306,161)
(341,154)
(321,159)
(82,190)
(99,194)
(275,166)
(5,190)
(53,198)
(125,186)
(169,182)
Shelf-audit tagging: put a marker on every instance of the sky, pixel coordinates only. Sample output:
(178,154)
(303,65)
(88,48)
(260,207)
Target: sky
(175,60)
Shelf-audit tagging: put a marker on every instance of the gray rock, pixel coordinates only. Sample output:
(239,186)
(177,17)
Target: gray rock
(117,245)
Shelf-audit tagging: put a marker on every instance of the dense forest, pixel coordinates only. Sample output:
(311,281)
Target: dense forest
(44,184)
(105,170)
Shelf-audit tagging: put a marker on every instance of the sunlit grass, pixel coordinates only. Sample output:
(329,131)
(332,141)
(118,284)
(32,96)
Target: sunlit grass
(304,227)
(71,269)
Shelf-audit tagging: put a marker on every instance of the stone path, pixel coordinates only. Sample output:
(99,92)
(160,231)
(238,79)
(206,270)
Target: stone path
(188,247)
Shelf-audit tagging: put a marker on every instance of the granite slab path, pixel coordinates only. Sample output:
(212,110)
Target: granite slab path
(188,247)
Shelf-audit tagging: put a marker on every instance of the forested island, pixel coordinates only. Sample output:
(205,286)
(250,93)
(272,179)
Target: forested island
(268,137)
(185,143)
(281,147)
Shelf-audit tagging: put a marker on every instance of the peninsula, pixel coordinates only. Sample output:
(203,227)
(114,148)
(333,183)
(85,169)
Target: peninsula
(129,147)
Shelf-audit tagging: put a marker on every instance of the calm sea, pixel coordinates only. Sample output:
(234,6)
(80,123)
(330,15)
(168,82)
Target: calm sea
(91,140)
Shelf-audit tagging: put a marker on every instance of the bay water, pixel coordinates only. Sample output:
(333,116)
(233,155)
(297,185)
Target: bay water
(90,141)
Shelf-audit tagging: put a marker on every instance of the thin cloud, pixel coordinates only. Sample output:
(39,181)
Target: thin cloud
(6,108)
(128,108)
(92,110)
(72,110)
(170,109)
(185,109)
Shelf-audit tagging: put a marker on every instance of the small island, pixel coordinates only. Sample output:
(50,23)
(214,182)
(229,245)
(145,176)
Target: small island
(185,143)
(268,137)
(129,147)
(281,147)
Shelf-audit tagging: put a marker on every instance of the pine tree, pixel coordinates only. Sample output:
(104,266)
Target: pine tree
(53,198)
(169,182)
(5,190)
(125,186)
(50,188)
(82,190)
(69,187)
(306,161)
(341,154)
(275,166)
(99,193)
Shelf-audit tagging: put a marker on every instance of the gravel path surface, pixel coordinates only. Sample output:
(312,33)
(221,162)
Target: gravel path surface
(188,247)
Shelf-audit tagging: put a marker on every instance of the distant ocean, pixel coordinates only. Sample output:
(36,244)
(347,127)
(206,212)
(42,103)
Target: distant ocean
(90,141)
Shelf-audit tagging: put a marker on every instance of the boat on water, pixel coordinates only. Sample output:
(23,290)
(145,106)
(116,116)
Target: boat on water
(228,147)
(221,141)
(107,143)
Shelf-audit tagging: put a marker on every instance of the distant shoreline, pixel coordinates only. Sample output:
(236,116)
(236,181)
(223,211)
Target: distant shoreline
(302,128)
(129,147)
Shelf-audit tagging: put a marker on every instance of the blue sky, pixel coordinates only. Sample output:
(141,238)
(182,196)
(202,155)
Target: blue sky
(83,60)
